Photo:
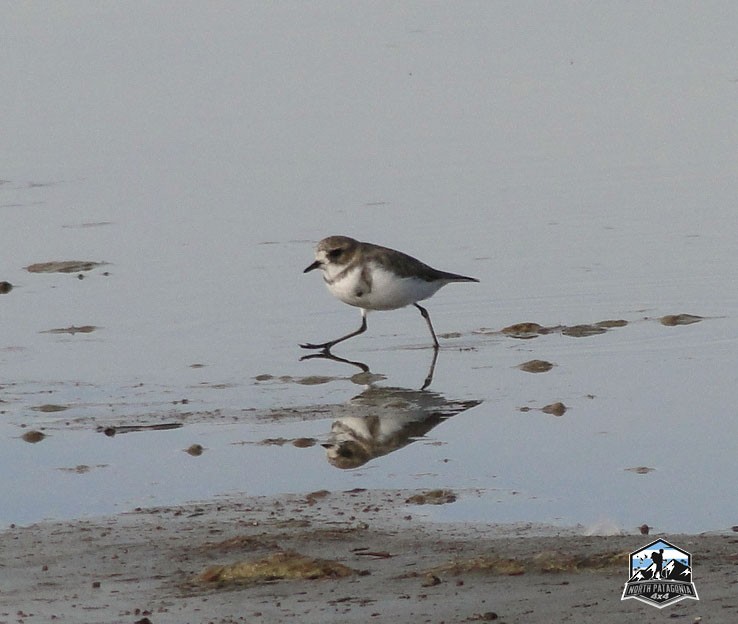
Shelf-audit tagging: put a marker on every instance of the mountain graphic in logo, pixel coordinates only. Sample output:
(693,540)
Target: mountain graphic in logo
(677,571)
(661,575)
(672,571)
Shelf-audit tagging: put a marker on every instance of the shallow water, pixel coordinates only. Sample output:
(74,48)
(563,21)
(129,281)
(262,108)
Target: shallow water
(580,180)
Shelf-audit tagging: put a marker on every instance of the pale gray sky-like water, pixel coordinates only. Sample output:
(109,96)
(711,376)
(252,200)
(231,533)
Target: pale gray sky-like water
(581,160)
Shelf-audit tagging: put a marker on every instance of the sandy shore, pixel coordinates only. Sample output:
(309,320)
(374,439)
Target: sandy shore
(359,556)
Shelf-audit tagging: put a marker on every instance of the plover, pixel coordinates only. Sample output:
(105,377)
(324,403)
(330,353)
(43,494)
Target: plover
(371,277)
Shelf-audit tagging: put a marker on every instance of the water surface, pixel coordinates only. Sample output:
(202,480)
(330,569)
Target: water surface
(580,161)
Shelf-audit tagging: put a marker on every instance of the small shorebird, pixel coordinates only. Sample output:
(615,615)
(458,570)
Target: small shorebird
(371,277)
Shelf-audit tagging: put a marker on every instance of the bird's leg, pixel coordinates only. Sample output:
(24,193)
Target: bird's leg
(426,316)
(327,346)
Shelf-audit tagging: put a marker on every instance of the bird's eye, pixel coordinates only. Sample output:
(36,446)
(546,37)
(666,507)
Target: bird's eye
(344,452)
(334,253)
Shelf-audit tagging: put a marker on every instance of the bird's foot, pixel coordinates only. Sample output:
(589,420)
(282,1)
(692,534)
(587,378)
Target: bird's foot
(325,347)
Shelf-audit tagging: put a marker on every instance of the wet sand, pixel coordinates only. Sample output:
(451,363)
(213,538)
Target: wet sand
(353,556)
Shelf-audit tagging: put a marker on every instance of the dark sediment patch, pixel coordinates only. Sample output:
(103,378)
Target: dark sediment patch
(536,366)
(74,329)
(582,331)
(524,331)
(672,320)
(63,266)
(555,409)
(115,430)
(49,408)
(528,330)
(612,323)
(86,225)
(432,497)
(640,469)
(32,437)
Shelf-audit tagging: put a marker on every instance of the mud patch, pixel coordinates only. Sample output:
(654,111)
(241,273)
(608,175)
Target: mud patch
(528,330)
(195,450)
(612,323)
(314,497)
(82,226)
(111,431)
(432,497)
(49,408)
(82,468)
(74,329)
(535,366)
(672,320)
(5,288)
(33,437)
(64,266)
(640,469)
(524,330)
(555,409)
(583,331)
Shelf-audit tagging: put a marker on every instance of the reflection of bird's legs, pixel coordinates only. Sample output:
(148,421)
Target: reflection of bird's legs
(326,346)
(327,355)
(429,376)
(426,316)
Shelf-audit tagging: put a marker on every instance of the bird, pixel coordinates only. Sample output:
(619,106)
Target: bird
(372,277)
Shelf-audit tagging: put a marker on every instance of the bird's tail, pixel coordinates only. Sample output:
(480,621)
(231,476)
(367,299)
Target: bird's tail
(454,277)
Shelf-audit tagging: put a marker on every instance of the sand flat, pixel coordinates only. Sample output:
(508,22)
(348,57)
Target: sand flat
(150,564)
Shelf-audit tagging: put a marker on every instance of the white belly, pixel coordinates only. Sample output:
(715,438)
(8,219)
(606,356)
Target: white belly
(387,291)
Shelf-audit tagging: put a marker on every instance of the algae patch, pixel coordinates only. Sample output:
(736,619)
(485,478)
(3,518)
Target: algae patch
(280,566)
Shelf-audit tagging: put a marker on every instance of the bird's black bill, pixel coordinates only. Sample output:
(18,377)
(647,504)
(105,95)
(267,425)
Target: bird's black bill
(314,265)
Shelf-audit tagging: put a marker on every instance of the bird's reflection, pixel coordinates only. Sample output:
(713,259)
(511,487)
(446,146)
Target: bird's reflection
(382,420)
